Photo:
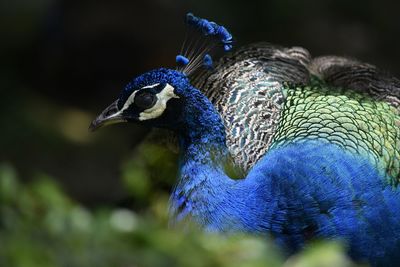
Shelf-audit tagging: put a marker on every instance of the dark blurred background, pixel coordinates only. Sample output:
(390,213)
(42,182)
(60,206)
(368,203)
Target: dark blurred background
(63,61)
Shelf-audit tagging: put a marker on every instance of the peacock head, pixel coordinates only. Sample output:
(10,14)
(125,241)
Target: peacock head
(157,98)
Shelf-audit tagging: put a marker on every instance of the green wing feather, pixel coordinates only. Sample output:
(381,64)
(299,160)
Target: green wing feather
(352,119)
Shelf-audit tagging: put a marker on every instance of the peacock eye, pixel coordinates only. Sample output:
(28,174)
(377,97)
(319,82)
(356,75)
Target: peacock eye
(145,100)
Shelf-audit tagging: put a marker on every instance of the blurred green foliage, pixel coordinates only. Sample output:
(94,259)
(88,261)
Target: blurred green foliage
(148,173)
(41,226)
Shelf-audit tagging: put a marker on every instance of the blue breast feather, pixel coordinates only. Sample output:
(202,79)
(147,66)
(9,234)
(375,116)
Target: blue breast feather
(295,193)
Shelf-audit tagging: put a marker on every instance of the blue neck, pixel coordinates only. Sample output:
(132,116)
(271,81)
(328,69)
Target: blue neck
(203,155)
(201,123)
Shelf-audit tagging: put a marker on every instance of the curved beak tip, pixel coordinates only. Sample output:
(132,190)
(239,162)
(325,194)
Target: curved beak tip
(93,126)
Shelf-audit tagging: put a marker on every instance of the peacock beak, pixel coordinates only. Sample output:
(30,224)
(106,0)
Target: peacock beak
(110,115)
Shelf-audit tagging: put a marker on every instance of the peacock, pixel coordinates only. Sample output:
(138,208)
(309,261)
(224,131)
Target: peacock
(276,143)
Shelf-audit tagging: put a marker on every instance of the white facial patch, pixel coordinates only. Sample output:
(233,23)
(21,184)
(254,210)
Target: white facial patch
(162,98)
(130,100)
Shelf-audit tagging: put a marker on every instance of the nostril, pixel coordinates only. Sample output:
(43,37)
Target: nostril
(109,112)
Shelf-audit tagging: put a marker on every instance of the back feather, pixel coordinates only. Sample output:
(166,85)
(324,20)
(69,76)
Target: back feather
(269,96)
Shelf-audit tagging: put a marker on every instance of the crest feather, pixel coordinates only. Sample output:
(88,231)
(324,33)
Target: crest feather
(200,42)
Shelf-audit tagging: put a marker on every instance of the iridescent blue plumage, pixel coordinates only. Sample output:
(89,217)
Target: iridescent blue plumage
(210,28)
(197,53)
(182,60)
(314,181)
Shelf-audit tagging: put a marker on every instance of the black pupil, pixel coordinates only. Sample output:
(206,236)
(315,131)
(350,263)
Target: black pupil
(145,100)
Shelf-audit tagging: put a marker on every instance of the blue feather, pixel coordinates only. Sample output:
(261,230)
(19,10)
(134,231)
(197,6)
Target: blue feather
(208,62)
(297,192)
(182,60)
